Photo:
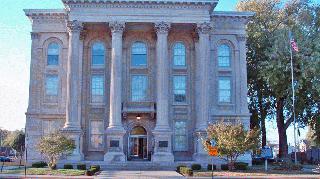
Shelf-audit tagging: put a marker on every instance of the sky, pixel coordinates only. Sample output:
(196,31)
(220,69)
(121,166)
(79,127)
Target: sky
(15,55)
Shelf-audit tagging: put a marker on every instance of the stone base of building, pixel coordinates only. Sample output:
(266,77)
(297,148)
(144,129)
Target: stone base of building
(163,157)
(201,158)
(111,157)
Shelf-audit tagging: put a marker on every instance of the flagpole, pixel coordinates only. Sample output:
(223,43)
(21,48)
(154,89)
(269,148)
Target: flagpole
(293,101)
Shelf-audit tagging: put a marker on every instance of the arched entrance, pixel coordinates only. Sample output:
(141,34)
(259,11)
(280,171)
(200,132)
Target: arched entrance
(138,144)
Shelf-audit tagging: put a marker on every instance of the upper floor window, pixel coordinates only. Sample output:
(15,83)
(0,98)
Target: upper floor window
(98,54)
(53,54)
(139,87)
(179,88)
(225,89)
(52,85)
(224,56)
(180,136)
(179,55)
(97,88)
(96,134)
(139,55)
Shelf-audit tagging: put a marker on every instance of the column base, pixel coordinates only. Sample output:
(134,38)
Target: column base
(162,150)
(115,145)
(76,135)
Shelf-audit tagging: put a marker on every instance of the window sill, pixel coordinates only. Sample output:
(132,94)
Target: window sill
(97,104)
(95,150)
(225,104)
(180,104)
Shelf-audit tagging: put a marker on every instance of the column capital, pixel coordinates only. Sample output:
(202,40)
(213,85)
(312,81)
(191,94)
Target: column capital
(162,27)
(74,26)
(35,35)
(204,28)
(117,27)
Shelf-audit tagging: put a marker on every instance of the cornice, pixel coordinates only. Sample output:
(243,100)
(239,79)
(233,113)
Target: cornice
(46,15)
(232,14)
(67,2)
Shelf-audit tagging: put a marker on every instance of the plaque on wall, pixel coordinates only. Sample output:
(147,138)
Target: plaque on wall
(114,143)
(163,143)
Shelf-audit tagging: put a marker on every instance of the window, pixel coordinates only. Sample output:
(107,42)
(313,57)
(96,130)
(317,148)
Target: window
(53,54)
(52,85)
(224,89)
(224,56)
(97,88)
(180,136)
(48,127)
(139,55)
(96,135)
(139,84)
(179,88)
(98,54)
(179,55)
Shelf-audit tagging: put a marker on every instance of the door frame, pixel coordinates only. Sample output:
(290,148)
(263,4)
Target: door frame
(138,137)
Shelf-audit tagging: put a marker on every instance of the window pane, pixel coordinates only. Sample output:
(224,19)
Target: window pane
(96,134)
(224,89)
(52,85)
(179,88)
(224,56)
(97,88)
(180,139)
(179,55)
(53,54)
(139,84)
(98,53)
(139,55)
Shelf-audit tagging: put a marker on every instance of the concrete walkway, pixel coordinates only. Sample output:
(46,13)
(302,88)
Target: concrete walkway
(263,177)
(121,174)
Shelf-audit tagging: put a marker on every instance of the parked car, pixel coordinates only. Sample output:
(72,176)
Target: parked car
(4,159)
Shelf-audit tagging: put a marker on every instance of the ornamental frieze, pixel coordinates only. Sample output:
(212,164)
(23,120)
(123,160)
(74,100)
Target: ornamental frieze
(162,27)
(74,26)
(204,28)
(117,27)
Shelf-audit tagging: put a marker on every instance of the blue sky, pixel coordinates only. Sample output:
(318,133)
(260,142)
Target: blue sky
(15,45)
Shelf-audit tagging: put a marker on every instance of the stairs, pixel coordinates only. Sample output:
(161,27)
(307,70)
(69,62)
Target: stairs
(137,166)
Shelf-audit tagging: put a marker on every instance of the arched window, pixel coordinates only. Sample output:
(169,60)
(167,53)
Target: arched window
(139,55)
(224,56)
(98,53)
(138,130)
(179,55)
(53,54)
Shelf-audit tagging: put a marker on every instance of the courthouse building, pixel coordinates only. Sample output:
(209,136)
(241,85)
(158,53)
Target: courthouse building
(135,80)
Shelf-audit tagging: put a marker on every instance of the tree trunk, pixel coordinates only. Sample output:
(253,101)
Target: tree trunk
(282,133)
(263,115)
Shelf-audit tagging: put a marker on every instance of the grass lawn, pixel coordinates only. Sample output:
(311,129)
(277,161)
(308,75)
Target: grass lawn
(46,171)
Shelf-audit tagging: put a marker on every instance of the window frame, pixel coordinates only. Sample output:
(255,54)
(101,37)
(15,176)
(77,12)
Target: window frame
(147,87)
(146,54)
(173,55)
(46,87)
(231,89)
(47,54)
(90,148)
(91,89)
(230,55)
(186,88)
(104,54)
(186,147)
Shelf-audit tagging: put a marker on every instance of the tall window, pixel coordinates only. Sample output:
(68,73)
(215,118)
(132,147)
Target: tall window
(98,54)
(225,89)
(52,83)
(139,55)
(53,54)
(97,88)
(179,55)
(179,88)
(224,56)
(180,136)
(48,127)
(96,135)
(139,87)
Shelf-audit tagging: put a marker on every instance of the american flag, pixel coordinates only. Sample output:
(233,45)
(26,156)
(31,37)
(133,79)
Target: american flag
(293,43)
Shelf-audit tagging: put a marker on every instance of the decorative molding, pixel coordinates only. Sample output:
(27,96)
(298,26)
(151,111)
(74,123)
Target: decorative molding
(46,15)
(74,26)
(83,34)
(35,36)
(117,27)
(162,27)
(204,28)
(241,37)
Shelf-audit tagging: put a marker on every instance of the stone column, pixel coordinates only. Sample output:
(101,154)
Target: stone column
(115,131)
(73,113)
(162,132)
(202,89)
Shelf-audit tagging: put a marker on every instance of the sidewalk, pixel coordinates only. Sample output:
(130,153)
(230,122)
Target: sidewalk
(264,177)
(41,176)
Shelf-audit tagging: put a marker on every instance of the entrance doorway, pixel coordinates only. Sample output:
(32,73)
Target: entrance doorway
(138,144)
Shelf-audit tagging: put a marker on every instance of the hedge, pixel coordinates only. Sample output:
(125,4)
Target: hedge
(186,171)
(68,166)
(179,168)
(209,167)
(81,167)
(241,166)
(39,164)
(224,167)
(196,167)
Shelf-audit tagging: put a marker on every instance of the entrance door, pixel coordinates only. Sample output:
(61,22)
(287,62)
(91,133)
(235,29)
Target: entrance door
(138,144)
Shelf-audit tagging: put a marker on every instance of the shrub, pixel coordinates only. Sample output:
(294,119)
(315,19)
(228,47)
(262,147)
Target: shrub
(68,166)
(179,168)
(241,166)
(95,168)
(39,164)
(186,171)
(209,167)
(52,166)
(81,167)
(89,172)
(257,161)
(196,167)
(224,167)
(287,164)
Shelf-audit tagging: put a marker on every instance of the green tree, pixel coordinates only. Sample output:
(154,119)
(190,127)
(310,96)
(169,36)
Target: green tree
(232,140)
(269,50)
(53,146)
(16,140)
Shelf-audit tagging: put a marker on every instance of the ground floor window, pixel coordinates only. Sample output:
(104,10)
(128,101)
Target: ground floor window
(180,136)
(96,135)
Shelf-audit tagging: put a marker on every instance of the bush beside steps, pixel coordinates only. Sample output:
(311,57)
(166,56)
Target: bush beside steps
(92,170)
(196,166)
(39,164)
(67,166)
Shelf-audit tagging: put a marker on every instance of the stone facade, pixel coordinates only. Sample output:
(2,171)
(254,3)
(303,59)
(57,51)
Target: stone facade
(135,130)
